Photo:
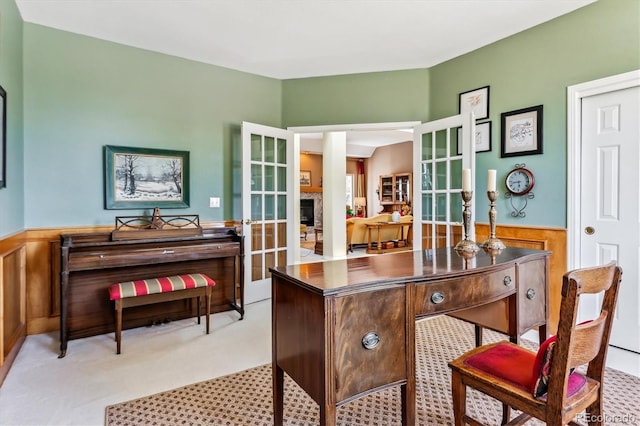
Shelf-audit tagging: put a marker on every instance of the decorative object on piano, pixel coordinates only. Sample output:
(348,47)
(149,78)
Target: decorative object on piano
(492,244)
(519,183)
(145,178)
(466,247)
(138,227)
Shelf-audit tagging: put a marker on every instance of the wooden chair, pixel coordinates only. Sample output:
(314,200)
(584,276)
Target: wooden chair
(544,384)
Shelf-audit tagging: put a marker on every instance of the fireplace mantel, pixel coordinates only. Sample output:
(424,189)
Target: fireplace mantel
(310,189)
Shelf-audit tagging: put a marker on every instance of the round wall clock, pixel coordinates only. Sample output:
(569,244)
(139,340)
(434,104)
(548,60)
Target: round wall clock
(519,181)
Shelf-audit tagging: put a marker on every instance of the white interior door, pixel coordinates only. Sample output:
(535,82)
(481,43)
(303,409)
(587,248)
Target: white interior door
(610,194)
(437,177)
(268,176)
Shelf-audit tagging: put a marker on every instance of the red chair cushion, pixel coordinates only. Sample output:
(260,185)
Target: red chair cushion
(505,361)
(158,285)
(514,364)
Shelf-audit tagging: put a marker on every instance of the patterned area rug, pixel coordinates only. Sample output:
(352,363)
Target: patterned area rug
(245,398)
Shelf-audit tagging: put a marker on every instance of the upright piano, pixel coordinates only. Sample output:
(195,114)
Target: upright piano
(91,262)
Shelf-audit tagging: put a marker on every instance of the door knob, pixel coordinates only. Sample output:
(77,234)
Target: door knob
(589,230)
(247,221)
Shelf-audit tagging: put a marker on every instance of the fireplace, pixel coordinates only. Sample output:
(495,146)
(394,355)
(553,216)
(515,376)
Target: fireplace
(306,212)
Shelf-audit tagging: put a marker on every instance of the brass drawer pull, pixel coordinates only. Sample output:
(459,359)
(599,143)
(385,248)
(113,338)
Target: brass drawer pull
(437,297)
(371,340)
(531,293)
(507,280)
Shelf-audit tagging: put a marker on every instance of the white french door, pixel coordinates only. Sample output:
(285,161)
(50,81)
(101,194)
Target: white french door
(268,176)
(437,173)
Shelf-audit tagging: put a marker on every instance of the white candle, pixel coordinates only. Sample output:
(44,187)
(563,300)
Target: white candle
(466,179)
(491,180)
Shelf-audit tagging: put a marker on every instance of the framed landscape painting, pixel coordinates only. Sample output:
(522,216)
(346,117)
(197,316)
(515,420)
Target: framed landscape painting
(145,178)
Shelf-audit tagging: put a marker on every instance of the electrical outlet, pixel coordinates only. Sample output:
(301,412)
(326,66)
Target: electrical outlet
(214,202)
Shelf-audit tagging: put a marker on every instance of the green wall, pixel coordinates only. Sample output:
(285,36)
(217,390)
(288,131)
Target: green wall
(12,197)
(530,68)
(356,98)
(83,93)
(535,67)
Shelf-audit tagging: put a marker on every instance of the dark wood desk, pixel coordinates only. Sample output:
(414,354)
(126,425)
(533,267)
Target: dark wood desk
(346,328)
(91,262)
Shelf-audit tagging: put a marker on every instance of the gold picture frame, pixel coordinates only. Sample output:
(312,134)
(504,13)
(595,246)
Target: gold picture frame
(305,178)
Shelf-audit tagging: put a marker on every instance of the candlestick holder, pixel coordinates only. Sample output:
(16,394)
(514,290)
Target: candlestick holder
(466,247)
(492,243)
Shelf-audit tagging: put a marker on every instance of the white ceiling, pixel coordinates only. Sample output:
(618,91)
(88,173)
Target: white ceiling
(300,38)
(287,39)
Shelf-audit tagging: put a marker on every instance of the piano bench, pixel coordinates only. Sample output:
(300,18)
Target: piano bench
(156,290)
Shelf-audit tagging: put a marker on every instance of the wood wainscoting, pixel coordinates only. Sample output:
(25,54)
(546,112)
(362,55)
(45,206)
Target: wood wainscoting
(43,274)
(550,239)
(13,290)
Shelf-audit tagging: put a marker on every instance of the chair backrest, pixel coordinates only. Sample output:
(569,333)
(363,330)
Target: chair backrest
(587,342)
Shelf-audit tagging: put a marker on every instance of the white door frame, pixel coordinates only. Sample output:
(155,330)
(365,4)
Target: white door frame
(339,207)
(575,94)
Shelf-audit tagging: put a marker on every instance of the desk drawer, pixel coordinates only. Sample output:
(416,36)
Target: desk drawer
(532,294)
(458,293)
(97,259)
(365,363)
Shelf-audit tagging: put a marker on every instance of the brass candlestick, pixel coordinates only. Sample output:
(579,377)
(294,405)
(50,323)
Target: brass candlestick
(492,243)
(466,247)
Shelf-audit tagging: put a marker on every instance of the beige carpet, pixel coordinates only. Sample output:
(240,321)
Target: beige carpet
(245,398)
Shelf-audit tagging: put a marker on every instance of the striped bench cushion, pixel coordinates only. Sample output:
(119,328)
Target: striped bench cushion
(158,285)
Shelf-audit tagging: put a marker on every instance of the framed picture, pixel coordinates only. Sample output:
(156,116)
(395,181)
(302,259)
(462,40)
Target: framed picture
(483,137)
(476,100)
(145,178)
(305,178)
(3,138)
(521,132)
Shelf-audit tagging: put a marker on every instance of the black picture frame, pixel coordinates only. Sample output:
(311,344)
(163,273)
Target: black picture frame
(521,132)
(483,138)
(3,138)
(477,100)
(160,178)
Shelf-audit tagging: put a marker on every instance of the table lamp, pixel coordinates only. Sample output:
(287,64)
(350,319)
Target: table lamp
(360,203)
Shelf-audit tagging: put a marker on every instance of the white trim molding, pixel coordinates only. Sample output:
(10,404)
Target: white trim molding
(575,94)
